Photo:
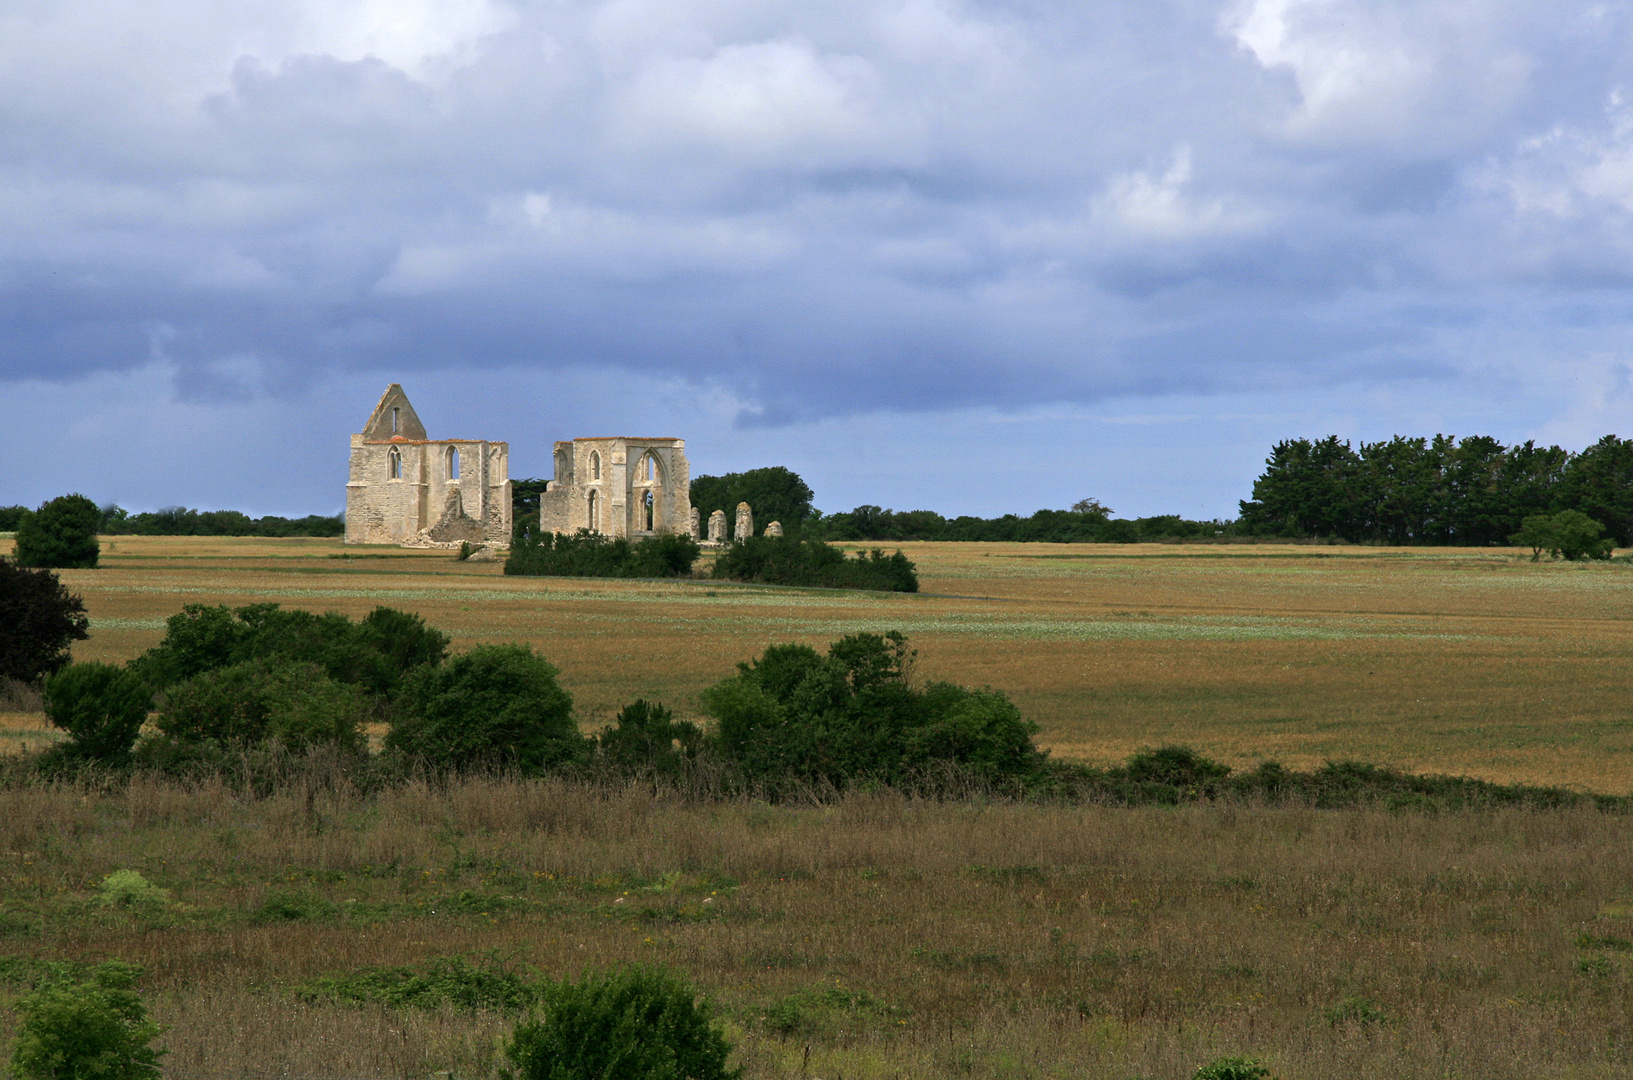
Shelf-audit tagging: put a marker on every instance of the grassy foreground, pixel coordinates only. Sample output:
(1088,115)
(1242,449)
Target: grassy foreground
(892,938)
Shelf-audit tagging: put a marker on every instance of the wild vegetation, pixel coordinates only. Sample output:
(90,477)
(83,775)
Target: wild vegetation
(800,561)
(319,930)
(588,554)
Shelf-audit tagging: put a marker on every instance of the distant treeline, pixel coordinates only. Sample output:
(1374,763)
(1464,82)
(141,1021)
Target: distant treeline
(1474,491)
(180,521)
(1093,524)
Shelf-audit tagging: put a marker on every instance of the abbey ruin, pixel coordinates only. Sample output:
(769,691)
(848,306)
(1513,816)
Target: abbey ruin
(620,487)
(405,488)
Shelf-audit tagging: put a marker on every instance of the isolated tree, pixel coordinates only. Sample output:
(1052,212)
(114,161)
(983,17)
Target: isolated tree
(61,533)
(1569,534)
(39,617)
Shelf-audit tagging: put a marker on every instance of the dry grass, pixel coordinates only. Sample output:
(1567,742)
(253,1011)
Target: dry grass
(1448,660)
(988,940)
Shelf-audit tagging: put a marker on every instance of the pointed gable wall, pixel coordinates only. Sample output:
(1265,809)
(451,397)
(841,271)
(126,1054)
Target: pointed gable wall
(379,428)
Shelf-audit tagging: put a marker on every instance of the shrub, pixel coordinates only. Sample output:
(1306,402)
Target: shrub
(789,560)
(497,705)
(129,889)
(647,739)
(296,704)
(1179,766)
(92,1030)
(39,617)
(374,654)
(1570,534)
(634,1024)
(795,716)
(1356,1011)
(1232,1068)
(100,706)
(588,554)
(61,533)
(444,980)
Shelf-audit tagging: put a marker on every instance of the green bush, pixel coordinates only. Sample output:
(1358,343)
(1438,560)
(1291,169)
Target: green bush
(497,705)
(1232,1068)
(374,654)
(789,560)
(794,716)
(296,704)
(39,617)
(444,980)
(92,1030)
(646,739)
(100,706)
(129,889)
(588,554)
(633,1024)
(1356,1011)
(61,533)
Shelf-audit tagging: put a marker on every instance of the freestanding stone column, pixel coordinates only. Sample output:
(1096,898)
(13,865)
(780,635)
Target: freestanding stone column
(693,525)
(774,529)
(717,527)
(745,522)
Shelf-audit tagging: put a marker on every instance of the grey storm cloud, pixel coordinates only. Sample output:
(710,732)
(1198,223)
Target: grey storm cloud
(828,209)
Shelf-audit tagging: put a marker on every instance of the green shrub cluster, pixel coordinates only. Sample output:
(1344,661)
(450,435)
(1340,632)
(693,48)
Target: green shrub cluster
(96,1029)
(796,717)
(102,708)
(790,560)
(497,706)
(444,980)
(587,554)
(1569,534)
(632,1024)
(373,654)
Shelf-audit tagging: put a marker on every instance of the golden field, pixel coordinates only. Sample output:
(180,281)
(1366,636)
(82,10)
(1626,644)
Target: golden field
(1436,660)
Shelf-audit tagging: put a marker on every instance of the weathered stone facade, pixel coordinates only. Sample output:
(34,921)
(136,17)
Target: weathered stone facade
(619,487)
(407,489)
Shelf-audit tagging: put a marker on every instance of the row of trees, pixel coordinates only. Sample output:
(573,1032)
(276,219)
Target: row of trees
(1473,491)
(112,520)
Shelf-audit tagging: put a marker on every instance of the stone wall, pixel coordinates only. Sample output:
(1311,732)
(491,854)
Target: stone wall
(628,487)
(404,488)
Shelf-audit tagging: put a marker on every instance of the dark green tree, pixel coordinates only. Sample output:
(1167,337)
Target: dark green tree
(775,494)
(60,534)
(1309,489)
(102,708)
(271,698)
(495,706)
(39,618)
(632,1024)
(1599,483)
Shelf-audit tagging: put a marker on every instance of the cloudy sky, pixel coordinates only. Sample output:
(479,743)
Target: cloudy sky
(976,257)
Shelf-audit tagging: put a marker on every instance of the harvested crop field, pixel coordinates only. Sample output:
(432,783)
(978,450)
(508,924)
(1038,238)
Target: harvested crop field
(1434,660)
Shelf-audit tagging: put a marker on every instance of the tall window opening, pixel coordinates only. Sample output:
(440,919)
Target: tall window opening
(595,465)
(394,419)
(649,469)
(648,505)
(394,465)
(453,463)
(595,512)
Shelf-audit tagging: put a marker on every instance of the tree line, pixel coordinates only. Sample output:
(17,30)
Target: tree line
(112,520)
(1469,492)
